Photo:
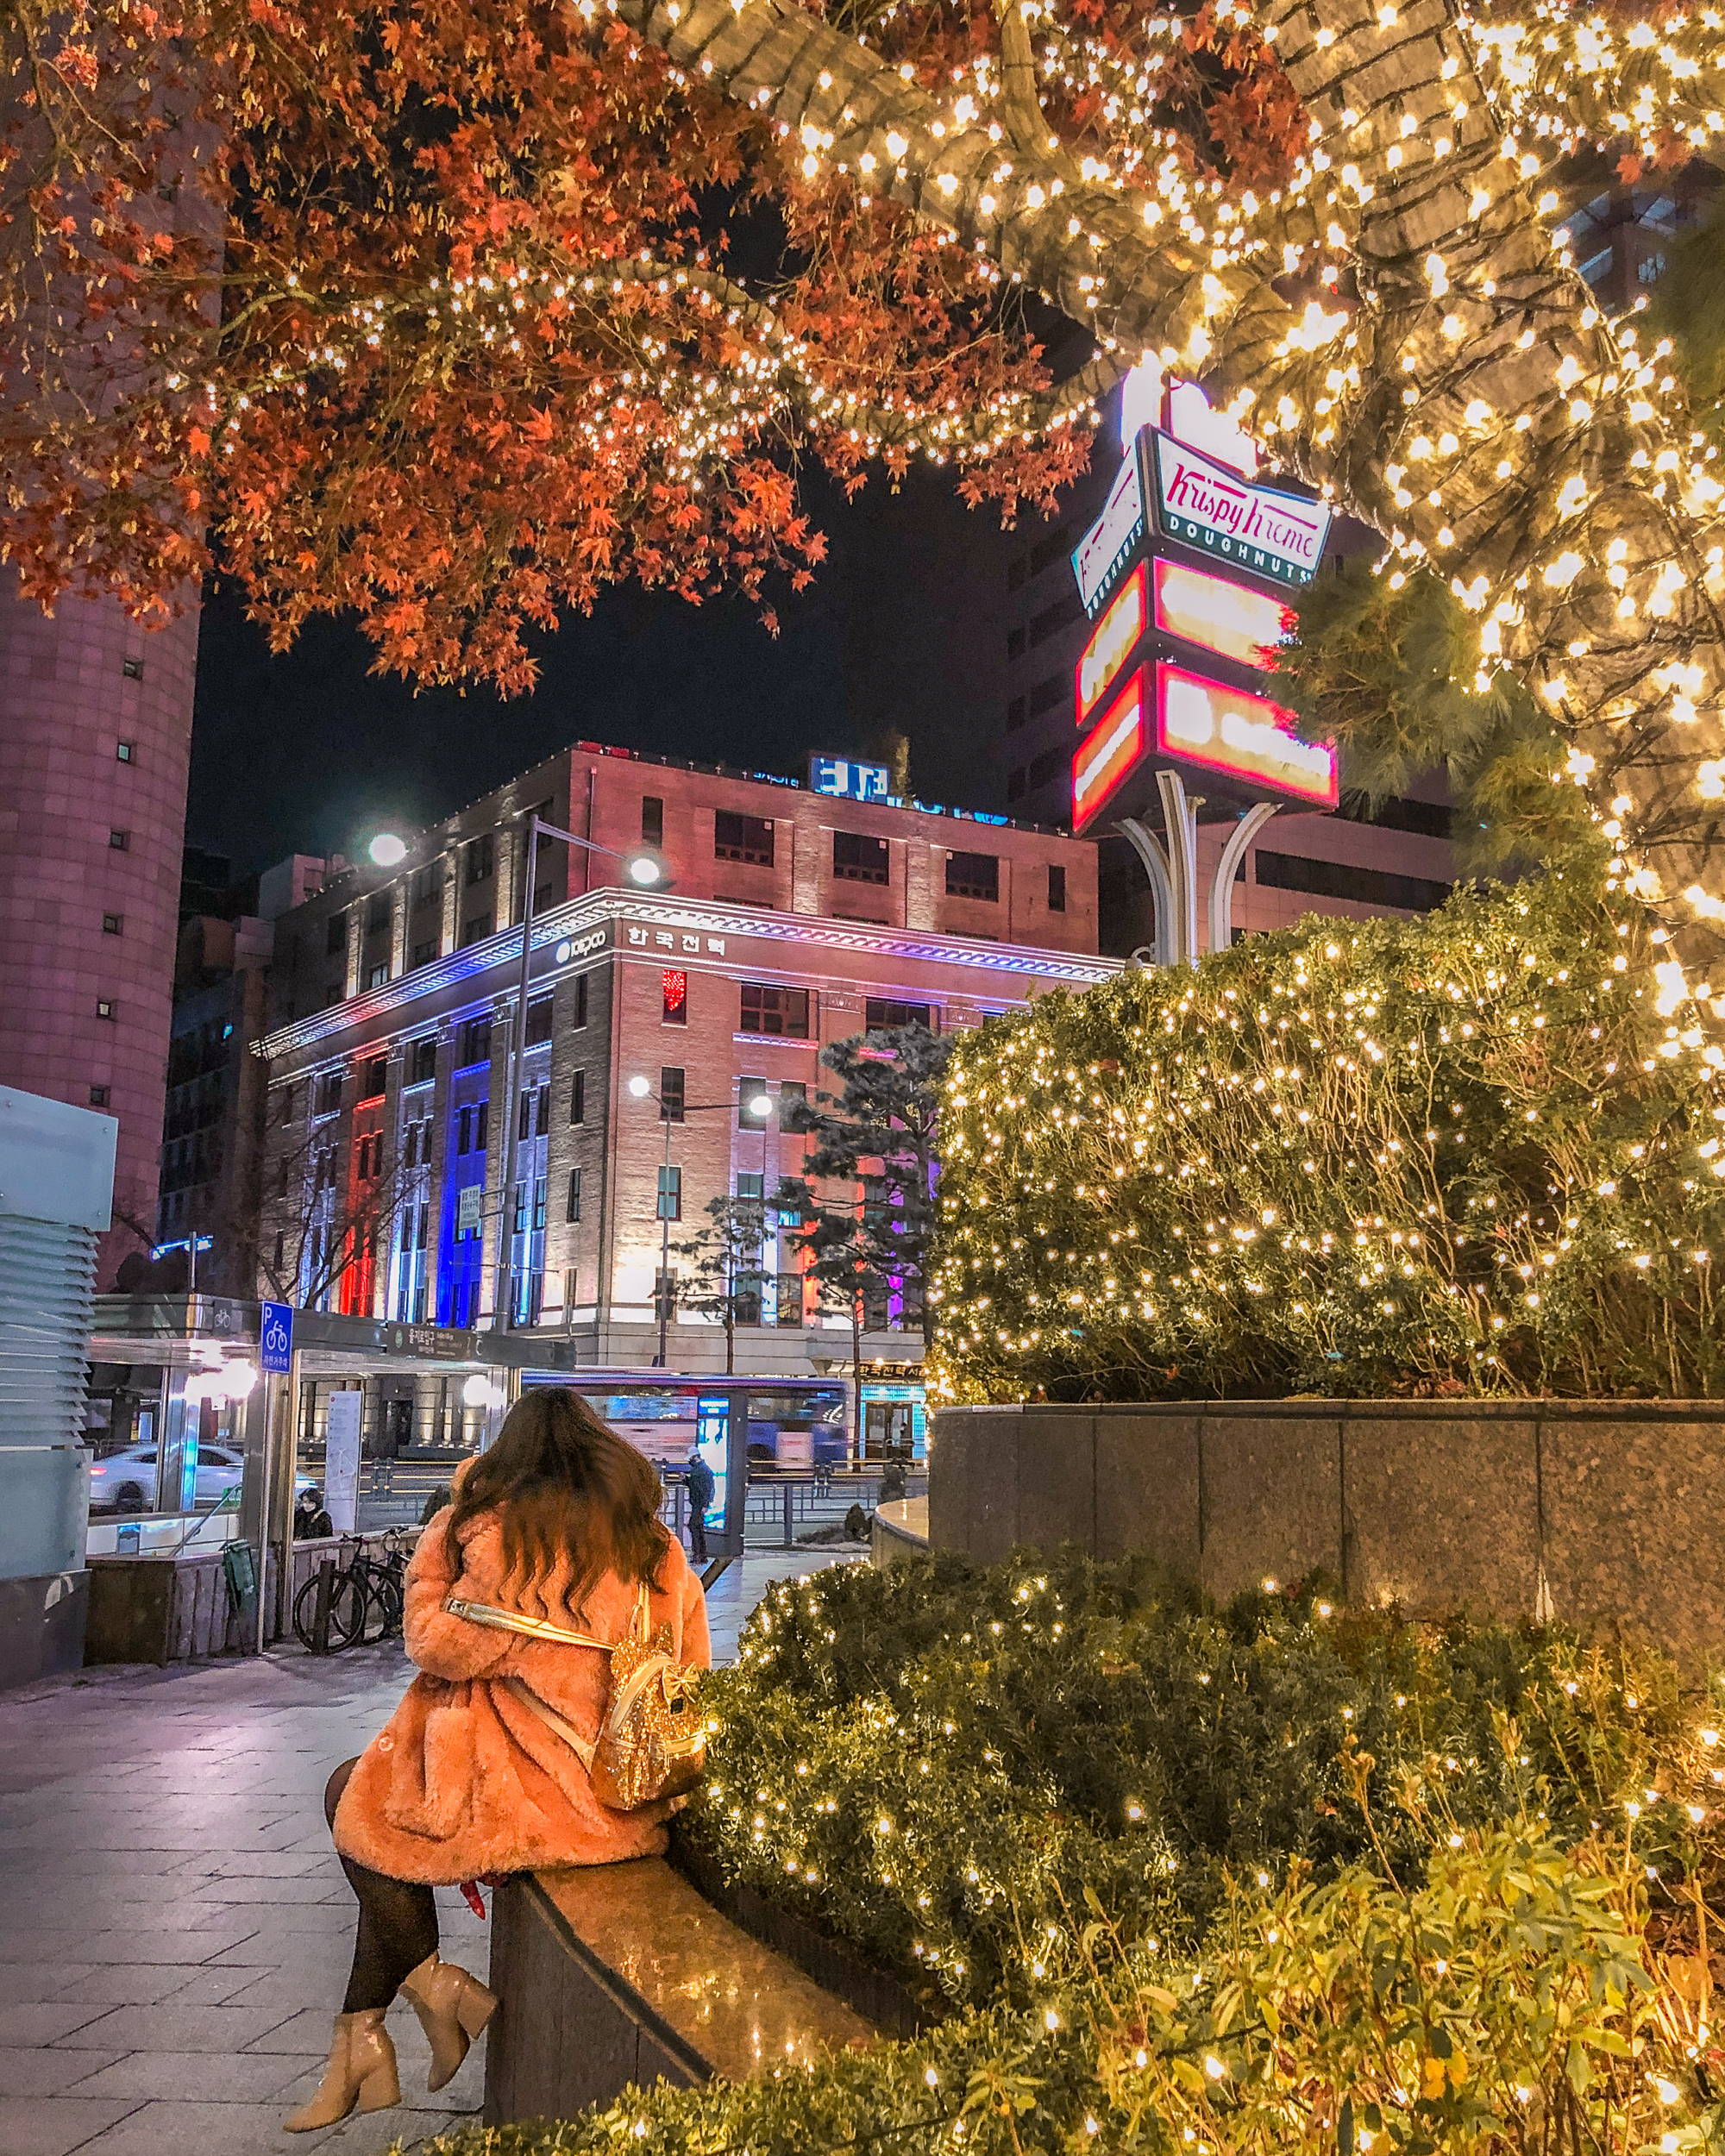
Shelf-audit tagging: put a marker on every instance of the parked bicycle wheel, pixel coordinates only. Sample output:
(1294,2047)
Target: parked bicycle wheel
(348,1602)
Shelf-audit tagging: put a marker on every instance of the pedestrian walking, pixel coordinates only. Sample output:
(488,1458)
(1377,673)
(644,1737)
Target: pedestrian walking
(552,1542)
(698,1478)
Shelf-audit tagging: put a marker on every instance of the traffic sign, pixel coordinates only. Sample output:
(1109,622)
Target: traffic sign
(275,1339)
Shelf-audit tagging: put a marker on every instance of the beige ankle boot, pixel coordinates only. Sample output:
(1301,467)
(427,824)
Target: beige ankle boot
(453,2008)
(361,2071)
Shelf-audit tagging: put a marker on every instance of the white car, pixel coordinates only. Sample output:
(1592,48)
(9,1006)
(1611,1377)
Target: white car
(126,1481)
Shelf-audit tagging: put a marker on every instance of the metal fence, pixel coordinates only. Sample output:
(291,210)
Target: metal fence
(779,1507)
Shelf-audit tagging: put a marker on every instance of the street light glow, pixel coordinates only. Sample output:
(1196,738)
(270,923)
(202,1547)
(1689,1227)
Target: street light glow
(643,869)
(762,1105)
(387,850)
(639,1088)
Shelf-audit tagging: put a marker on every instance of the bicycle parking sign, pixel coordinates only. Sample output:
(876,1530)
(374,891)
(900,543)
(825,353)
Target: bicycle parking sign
(275,1339)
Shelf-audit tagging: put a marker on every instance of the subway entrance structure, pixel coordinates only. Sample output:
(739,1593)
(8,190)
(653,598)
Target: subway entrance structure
(1185,575)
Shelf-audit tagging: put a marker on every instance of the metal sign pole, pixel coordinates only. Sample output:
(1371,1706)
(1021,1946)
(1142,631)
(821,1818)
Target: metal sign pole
(270,1384)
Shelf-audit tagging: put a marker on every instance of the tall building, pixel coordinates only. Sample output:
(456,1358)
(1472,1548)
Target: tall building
(395,1155)
(94,740)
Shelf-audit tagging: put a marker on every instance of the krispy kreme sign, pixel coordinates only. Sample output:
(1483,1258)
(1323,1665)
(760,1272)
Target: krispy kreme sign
(1201,504)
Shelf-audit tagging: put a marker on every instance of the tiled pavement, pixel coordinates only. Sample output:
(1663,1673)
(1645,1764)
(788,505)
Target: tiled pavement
(174,1929)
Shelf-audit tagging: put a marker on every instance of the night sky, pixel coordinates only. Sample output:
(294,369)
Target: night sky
(308,752)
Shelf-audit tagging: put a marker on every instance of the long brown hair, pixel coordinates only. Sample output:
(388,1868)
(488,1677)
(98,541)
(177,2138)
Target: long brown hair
(564,1485)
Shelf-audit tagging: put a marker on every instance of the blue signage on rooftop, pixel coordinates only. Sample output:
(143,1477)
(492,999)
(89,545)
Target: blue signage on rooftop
(846,780)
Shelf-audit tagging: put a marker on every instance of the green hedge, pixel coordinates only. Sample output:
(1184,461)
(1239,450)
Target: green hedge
(1468,1153)
(1273,1877)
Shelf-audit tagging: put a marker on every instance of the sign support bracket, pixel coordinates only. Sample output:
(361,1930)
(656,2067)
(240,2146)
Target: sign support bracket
(1222,890)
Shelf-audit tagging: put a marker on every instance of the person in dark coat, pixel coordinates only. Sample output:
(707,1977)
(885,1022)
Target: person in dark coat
(311,1521)
(699,1480)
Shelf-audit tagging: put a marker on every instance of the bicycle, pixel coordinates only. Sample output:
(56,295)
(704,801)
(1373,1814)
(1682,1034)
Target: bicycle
(366,1598)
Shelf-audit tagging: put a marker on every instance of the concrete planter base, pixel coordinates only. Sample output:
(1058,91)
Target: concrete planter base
(1598,1513)
(620,1974)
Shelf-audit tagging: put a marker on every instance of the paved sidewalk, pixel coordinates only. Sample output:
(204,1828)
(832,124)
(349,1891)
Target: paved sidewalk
(174,1927)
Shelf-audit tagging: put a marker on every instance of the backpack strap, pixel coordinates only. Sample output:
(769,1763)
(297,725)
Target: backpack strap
(530,1627)
(559,1725)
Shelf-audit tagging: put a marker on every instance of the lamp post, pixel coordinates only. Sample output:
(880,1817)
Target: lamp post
(641,1089)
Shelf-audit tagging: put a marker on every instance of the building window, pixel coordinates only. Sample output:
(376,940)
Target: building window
(113,923)
(671,1095)
(132,669)
(1057,889)
(333,994)
(336,935)
(524,1126)
(98,1096)
(104,1007)
(793,1100)
(1050,693)
(428,884)
(481,858)
(766,1009)
(281,1251)
(473,1042)
(126,751)
(286,1097)
(750,1089)
(538,1022)
(578,1097)
(378,974)
(120,840)
(1054,618)
(652,820)
(377,913)
(580,1016)
(973,876)
(670,1193)
(422,1062)
(329,1099)
(541,1120)
(1050,549)
(1052,763)
(476,928)
(742,838)
(673,996)
(1015,643)
(482,1132)
(858,859)
(1015,784)
(1341,879)
(424,954)
(464,1130)
(571,1210)
(881,1016)
(1015,714)
(373,1077)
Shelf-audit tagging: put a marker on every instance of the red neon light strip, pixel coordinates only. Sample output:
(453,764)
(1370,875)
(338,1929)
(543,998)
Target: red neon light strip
(1248,737)
(1111,643)
(1218,613)
(1111,751)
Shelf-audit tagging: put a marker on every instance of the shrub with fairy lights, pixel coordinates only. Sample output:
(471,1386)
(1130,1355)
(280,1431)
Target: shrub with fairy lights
(1282,1877)
(1478,1152)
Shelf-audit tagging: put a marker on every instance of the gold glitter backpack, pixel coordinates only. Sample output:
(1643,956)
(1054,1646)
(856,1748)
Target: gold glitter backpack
(652,1741)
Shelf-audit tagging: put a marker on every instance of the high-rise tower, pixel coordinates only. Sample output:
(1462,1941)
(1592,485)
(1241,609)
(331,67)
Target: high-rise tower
(94,740)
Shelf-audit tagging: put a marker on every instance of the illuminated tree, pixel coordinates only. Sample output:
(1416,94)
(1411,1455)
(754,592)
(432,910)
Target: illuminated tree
(489,335)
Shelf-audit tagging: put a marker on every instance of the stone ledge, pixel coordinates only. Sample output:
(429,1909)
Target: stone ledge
(616,1974)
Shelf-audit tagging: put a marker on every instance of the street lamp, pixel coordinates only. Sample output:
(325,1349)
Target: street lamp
(646,869)
(387,850)
(641,1088)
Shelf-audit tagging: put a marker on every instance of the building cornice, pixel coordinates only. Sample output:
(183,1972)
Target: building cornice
(599,922)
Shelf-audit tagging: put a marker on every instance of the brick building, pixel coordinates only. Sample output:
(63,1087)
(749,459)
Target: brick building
(791,920)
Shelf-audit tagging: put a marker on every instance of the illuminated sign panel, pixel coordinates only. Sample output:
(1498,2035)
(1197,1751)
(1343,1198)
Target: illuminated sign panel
(1102,554)
(1246,737)
(1109,754)
(1203,504)
(845,780)
(1111,643)
(1221,615)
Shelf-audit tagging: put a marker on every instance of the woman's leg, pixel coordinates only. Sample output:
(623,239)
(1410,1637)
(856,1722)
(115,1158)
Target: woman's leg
(398,1921)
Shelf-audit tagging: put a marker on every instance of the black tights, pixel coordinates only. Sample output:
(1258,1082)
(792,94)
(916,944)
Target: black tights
(398,1921)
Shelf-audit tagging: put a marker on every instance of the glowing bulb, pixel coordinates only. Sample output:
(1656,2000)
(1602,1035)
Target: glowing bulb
(387,850)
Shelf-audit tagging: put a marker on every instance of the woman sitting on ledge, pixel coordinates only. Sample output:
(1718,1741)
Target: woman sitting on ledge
(558,1521)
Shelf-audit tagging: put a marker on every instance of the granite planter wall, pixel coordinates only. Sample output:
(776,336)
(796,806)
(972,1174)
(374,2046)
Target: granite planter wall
(1605,1513)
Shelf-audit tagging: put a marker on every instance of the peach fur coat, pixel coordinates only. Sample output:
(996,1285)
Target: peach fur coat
(465,1779)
